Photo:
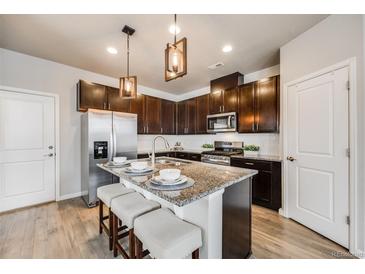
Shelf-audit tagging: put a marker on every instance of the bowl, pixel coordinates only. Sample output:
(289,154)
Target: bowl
(139,165)
(170,174)
(119,160)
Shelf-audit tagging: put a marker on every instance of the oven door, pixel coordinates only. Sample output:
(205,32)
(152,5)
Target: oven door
(224,122)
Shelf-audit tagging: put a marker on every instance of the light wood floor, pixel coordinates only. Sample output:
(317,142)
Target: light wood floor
(68,229)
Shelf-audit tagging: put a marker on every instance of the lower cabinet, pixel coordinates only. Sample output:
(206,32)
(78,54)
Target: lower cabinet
(266,185)
(174,154)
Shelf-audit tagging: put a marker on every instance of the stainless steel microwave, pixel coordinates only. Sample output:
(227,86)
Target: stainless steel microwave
(223,122)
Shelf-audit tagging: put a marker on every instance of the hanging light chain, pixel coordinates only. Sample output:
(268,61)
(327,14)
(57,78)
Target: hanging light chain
(128,55)
(175,30)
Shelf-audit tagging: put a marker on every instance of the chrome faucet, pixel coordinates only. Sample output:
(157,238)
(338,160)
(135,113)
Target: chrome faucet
(167,146)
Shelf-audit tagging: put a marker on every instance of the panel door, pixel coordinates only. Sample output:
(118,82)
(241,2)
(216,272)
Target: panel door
(137,106)
(181,117)
(246,114)
(266,105)
(153,115)
(91,95)
(318,175)
(27,149)
(167,117)
(191,115)
(230,100)
(202,110)
(115,102)
(216,102)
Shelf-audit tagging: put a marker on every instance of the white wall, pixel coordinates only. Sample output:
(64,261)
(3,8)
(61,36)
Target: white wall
(335,39)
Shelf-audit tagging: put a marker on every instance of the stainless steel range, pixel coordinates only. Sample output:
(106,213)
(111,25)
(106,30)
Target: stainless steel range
(221,155)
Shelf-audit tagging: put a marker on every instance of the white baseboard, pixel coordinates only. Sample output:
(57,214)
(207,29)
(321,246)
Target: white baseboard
(70,196)
(282,213)
(360,254)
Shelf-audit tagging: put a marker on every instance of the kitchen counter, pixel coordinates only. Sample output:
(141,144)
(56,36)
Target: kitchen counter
(208,179)
(270,158)
(219,203)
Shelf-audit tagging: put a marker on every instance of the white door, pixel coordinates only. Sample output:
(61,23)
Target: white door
(27,139)
(318,172)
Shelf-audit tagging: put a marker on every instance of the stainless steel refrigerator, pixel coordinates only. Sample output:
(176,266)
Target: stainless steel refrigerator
(104,135)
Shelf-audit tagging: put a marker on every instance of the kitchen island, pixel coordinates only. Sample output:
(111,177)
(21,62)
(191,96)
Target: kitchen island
(219,203)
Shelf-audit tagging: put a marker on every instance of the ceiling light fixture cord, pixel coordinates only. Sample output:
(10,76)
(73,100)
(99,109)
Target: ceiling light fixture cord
(175,30)
(128,56)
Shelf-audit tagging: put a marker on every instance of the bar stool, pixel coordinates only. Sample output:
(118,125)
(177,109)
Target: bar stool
(125,210)
(166,236)
(105,195)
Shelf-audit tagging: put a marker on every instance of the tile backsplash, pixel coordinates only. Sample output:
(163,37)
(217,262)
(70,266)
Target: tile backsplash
(269,143)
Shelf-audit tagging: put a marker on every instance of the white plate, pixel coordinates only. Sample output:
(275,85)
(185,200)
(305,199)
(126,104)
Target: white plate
(113,164)
(131,170)
(158,180)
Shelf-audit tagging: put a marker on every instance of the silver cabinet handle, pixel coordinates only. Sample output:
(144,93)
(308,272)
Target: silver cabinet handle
(109,106)
(250,164)
(253,127)
(104,105)
(161,130)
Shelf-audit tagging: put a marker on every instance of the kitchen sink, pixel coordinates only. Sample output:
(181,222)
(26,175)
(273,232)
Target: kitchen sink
(167,161)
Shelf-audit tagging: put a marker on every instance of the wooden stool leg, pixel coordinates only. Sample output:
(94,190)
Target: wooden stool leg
(115,235)
(132,253)
(139,248)
(195,254)
(100,217)
(110,229)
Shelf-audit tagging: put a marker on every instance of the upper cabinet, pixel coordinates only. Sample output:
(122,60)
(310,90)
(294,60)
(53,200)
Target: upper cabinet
(167,117)
(96,96)
(90,95)
(202,110)
(259,106)
(137,106)
(223,93)
(115,102)
(186,116)
(153,115)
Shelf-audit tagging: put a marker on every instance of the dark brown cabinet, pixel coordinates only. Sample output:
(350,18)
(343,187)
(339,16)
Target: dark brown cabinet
(91,95)
(259,106)
(137,107)
(115,102)
(167,117)
(186,116)
(266,185)
(216,102)
(202,110)
(152,115)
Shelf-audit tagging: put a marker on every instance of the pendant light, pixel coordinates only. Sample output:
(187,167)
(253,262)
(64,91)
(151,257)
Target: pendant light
(128,84)
(175,57)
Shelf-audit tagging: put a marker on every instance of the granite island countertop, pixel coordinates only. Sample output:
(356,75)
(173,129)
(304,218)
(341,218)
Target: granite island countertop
(208,178)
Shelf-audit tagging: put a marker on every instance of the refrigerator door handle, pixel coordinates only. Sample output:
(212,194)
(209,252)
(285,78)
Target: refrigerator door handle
(114,142)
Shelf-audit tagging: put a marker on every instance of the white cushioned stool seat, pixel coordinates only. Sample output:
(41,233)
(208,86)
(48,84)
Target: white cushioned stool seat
(109,192)
(166,236)
(128,207)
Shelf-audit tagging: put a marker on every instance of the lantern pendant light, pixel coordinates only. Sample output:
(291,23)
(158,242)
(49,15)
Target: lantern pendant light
(128,84)
(175,58)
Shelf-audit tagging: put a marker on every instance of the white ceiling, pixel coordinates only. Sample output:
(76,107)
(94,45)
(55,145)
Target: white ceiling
(81,41)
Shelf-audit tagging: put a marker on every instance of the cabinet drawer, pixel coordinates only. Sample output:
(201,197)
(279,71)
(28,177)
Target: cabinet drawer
(194,157)
(253,164)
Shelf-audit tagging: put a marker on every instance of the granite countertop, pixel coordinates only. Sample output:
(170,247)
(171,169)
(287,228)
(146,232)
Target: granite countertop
(208,179)
(259,157)
(188,150)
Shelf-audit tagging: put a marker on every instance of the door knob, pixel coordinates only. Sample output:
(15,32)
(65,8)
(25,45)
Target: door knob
(291,159)
(49,155)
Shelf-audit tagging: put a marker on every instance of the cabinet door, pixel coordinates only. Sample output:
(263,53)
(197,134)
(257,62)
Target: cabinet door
(230,100)
(246,116)
(191,115)
(202,110)
(115,102)
(138,106)
(262,188)
(167,117)
(182,155)
(266,105)
(181,118)
(216,102)
(90,95)
(153,115)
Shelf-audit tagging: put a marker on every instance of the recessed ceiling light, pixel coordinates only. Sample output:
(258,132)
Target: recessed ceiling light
(227,48)
(112,50)
(172,29)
